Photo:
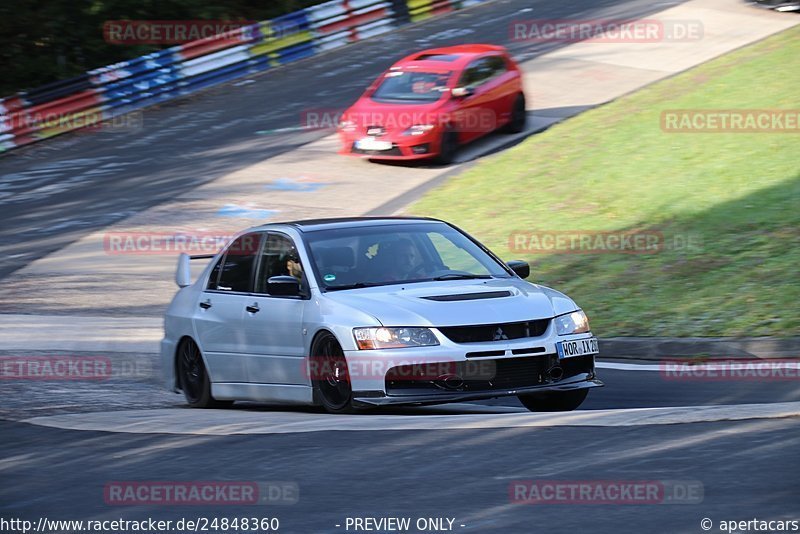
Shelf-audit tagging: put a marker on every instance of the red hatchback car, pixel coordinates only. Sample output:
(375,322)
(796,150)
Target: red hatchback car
(429,103)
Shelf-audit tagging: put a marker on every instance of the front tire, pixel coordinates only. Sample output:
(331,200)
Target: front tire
(555,401)
(194,379)
(330,375)
(447,147)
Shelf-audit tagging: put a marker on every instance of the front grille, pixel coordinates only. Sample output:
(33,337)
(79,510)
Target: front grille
(486,354)
(521,372)
(530,350)
(495,332)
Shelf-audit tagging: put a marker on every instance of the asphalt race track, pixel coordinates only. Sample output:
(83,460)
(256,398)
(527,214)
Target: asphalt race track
(732,442)
(462,474)
(425,469)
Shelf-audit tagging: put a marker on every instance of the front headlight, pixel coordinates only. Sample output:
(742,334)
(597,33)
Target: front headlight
(393,338)
(572,323)
(419,129)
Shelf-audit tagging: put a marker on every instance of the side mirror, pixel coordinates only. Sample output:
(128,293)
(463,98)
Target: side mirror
(283,286)
(183,274)
(461,92)
(521,268)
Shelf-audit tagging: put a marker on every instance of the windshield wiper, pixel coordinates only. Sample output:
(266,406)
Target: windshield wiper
(357,285)
(451,276)
(458,276)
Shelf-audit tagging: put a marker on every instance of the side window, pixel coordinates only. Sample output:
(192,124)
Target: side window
(471,76)
(497,65)
(237,267)
(213,278)
(279,258)
(477,72)
(466,77)
(485,69)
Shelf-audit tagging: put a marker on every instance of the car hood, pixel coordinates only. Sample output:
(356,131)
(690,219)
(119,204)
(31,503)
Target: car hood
(393,117)
(407,305)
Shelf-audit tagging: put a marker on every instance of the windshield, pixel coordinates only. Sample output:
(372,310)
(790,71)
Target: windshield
(411,86)
(389,254)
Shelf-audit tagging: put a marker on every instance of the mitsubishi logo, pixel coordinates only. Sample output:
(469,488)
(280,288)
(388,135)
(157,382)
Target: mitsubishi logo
(499,334)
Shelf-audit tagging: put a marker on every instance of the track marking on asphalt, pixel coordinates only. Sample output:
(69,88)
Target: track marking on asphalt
(627,366)
(466,417)
(675,367)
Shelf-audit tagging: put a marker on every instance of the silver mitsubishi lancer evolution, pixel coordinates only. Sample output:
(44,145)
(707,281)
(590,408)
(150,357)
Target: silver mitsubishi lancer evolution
(363,312)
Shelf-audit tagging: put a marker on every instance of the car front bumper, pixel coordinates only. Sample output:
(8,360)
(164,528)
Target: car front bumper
(379,398)
(456,372)
(404,147)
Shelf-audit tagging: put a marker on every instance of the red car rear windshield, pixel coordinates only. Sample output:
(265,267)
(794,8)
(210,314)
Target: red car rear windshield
(411,87)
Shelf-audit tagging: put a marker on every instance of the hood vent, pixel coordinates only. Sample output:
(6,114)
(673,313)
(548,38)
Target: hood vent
(470,296)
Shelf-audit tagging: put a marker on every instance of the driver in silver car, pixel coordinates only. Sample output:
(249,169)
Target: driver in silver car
(400,259)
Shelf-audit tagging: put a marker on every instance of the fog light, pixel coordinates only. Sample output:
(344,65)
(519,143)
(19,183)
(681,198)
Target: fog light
(421,149)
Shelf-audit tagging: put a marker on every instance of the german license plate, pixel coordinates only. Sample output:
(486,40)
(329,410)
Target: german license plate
(578,347)
(370,143)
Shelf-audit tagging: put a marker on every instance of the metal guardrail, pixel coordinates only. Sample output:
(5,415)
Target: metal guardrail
(107,92)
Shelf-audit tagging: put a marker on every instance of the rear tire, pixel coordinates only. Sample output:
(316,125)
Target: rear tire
(330,375)
(193,378)
(518,116)
(555,401)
